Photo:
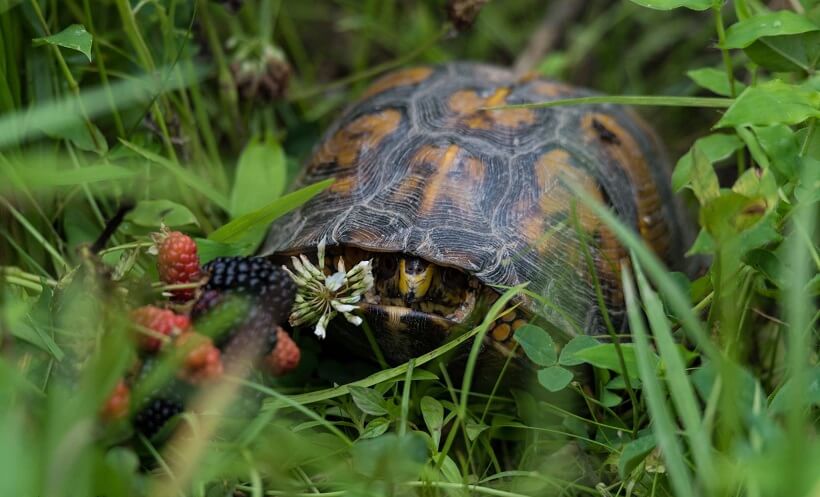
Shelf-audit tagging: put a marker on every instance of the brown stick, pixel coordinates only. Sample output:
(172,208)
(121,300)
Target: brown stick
(549,31)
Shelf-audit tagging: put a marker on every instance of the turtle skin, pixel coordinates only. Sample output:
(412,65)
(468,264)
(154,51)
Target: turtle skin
(423,168)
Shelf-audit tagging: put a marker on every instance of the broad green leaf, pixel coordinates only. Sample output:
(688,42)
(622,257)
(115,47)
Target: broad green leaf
(703,244)
(368,400)
(74,37)
(605,356)
(209,249)
(260,176)
(580,342)
(744,384)
(450,471)
(783,400)
(474,430)
(715,81)
(729,214)
(554,378)
(375,428)
(433,414)
(610,399)
(769,265)
(758,183)
(716,147)
(152,213)
(719,146)
(238,228)
(761,234)
(773,102)
(537,344)
(791,53)
(619,383)
(783,22)
(704,180)
(780,144)
(390,457)
(633,453)
(674,4)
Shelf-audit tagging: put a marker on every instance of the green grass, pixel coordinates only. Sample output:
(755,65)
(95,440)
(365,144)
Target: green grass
(715,391)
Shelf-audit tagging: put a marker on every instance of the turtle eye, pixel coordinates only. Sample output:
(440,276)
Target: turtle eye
(387,267)
(453,279)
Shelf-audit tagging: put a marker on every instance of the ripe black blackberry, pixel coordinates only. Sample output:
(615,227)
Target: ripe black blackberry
(157,411)
(162,404)
(254,276)
(252,340)
(242,303)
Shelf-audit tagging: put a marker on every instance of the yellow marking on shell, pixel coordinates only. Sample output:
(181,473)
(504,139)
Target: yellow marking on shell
(502,332)
(405,77)
(552,89)
(623,148)
(552,171)
(498,97)
(360,136)
(343,185)
(466,105)
(415,284)
(445,163)
(518,323)
(509,316)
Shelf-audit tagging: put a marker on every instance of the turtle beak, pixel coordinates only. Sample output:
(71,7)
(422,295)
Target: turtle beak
(415,277)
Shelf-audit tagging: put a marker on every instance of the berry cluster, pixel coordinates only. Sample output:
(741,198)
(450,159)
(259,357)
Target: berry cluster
(234,306)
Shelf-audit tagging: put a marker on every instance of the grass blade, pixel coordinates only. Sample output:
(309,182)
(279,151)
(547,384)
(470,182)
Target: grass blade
(677,299)
(184,175)
(650,100)
(239,227)
(680,388)
(663,425)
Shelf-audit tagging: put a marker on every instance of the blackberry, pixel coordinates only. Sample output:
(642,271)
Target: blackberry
(163,403)
(258,277)
(157,411)
(252,340)
(242,303)
(218,314)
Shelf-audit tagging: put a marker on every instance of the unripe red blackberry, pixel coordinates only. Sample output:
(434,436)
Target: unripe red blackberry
(177,261)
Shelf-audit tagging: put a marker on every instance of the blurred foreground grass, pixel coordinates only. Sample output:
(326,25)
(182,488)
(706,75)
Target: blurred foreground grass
(180,109)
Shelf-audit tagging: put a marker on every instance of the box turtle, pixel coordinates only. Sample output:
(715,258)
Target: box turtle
(452,202)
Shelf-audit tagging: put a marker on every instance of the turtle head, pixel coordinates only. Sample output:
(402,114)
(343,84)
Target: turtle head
(415,277)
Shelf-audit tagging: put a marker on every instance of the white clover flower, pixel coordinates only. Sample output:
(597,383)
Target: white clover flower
(319,298)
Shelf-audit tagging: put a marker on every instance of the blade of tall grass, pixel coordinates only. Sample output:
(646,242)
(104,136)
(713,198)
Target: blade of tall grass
(479,332)
(663,425)
(58,258)
(799,305)
(57,114)
(183,175)
(680,388)
(237,229)
(650,100)
(671,291)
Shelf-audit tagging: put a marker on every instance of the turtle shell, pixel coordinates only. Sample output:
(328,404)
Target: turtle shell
(423,168)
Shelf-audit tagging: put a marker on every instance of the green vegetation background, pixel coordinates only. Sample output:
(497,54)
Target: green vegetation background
(202,111)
